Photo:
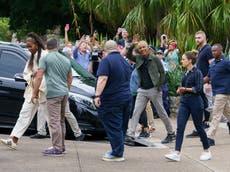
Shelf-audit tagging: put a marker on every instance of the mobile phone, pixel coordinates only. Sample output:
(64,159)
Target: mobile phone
(67,26)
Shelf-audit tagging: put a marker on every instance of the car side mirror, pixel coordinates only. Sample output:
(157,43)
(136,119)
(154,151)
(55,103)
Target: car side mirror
(19,77)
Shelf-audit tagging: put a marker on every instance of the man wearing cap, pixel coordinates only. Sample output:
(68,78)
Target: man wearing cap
(165,89)
(151,50)
(113,99)
(151,78)
(58,75)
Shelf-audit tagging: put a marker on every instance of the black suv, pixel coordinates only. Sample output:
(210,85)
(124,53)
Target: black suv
(13,59)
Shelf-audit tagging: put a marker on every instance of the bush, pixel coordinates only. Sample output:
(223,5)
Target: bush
(173,78)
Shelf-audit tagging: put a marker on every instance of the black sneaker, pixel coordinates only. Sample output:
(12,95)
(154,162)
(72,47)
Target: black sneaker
(206,124)
(228,123)
(80,138)
(156,117)
(193,134)
(129,141)
(39,136)
(169,138)
(144,134)
(211,142)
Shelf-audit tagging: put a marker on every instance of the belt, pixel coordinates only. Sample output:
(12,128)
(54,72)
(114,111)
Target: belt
(189,94)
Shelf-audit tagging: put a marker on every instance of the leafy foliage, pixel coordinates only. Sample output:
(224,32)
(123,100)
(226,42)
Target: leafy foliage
(38,15)
(173,79)
(179,19)
(5,34)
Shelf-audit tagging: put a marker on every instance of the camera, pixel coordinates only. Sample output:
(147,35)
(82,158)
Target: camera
(95,58)
(97,53)
(164,37)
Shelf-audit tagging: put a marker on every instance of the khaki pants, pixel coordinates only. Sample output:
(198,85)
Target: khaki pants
(72,121)
(41,121)
(56,109)
(221,107)
(150,115)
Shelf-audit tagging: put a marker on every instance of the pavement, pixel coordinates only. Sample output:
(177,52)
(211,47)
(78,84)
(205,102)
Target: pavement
(85,156)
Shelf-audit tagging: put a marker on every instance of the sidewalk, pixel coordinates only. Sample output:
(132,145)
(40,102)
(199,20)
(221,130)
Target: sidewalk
(86,156)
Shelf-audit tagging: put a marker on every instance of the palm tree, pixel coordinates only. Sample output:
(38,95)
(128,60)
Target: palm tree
(219,20)
(179,19)
(110,12)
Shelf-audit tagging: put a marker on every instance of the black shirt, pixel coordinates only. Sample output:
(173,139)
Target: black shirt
(205,54)
(146,82)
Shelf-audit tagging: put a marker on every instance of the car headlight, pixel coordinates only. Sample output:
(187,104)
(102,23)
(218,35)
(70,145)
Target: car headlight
(87,101)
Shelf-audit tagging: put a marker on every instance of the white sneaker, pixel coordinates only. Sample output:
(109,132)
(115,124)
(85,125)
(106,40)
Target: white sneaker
(107,153)
(9,143)
(174,156)
(112,158)
(205,156)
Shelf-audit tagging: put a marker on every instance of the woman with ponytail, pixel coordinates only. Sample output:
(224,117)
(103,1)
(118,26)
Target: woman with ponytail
(190,103)
(36,48)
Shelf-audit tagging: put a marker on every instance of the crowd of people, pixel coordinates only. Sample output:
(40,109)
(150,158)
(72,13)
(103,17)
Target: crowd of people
(130,74)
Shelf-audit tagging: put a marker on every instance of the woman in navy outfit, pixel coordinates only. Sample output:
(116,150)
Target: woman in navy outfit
(190,103)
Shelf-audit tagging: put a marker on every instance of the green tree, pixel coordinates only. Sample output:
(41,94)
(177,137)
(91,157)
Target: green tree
(38,15)
(5,34)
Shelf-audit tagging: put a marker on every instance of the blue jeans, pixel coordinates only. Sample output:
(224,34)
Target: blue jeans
(190,104)
(115,120)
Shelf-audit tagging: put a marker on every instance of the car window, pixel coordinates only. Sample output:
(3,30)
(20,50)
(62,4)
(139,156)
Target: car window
(11,63)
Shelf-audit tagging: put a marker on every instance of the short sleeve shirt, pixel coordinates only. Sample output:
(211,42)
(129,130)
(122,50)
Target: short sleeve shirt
(118,70)
(56,67)
(204,55)
(219,74)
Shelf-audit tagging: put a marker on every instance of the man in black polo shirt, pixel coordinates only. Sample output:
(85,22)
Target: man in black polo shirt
(219,75)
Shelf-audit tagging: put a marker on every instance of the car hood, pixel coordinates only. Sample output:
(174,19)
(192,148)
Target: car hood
(83,86)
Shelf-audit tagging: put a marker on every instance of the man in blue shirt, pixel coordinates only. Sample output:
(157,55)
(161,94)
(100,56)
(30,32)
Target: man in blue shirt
(113,99)
(82,55)
(219,76)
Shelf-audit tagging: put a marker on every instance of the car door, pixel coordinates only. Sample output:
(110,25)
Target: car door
(11,91)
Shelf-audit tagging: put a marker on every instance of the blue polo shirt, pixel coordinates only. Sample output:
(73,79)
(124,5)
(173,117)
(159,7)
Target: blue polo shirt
(204,55)
(118,70)
(219,74)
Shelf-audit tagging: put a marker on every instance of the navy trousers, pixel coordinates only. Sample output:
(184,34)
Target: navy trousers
(115,120)
(190,104)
